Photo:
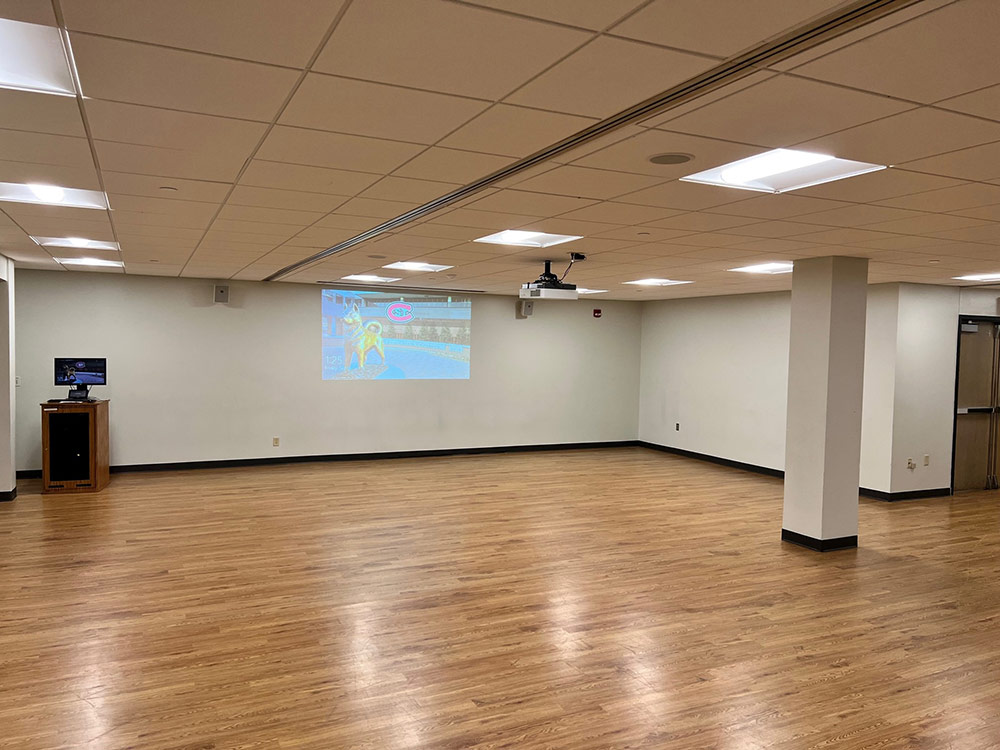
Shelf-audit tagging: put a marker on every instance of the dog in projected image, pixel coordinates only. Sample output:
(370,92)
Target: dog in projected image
(361,338)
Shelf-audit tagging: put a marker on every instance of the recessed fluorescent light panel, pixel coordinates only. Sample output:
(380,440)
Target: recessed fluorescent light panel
(77,242)
(781,170)
(527,239)
(415,265)
(580,290)
(769,268)
(368,278)
(979,277)
(656,282)
(52,195)
(32,58)
(90,262)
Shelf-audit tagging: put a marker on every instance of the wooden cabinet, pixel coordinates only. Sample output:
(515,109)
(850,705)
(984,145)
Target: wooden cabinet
(75,455)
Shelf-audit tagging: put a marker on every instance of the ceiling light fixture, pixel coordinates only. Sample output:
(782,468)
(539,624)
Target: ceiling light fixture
(656,282)
(523,238)
(768,268)
(52,195)
(368,278)
(416,265)
(781,170)
(580,290)
(77,242)
(35,58)
(90,262)
(979,277)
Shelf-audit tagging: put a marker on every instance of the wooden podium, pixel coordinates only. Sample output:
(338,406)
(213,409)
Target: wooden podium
(75,451)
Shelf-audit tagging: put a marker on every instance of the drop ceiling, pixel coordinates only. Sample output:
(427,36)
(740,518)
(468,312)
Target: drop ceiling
(234,139)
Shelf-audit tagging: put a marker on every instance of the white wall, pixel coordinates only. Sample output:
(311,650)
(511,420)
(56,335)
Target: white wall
(980,301)
(882,320)
(193,381)
(924,400)
(718,366)
(8,480)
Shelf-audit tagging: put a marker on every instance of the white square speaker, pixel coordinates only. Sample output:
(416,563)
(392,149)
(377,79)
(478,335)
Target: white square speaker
(222,293)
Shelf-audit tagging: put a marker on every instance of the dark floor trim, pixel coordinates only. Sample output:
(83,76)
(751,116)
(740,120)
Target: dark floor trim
(713,459)
(892,497)
(236,462)
(6,497)
(819,545)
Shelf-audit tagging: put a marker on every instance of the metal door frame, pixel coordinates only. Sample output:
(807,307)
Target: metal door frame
(954,409)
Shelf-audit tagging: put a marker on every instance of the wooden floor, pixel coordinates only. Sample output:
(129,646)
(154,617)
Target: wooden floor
(617,598)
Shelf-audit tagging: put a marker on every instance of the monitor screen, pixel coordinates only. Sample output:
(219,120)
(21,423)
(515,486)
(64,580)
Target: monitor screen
(81,371)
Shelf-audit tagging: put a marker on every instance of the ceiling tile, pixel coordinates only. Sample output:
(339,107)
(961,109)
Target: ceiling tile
(250,29)
(975,163)
(335,150)
(40,113)
(84,177)
(905,61)
(29,11)
(442,46)
(523,202)
(702,222)
(957,198)
(857,215)
(173,79)
(914,134)
(377,110)
(780,206)
(925,223)
(245,195)
(784,110)
(168,163)
(449,165)
(590,14)
(588,183)
(123,183)
(515,131)
(878,186)
(270,174)
(633,154)
(684,196)
(375,208)
(408,189)
(619,213)
(41,148)
(723,28)
(292,217)
(982,103)
(607,76)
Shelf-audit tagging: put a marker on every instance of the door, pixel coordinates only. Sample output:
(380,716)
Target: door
(977,413)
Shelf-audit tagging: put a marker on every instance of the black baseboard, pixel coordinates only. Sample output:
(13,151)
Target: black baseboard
(892,497)
(819,545)
(6,497)
(713,459)
(238,462)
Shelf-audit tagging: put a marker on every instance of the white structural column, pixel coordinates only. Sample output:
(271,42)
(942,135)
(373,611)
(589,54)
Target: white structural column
(826,362)
(8,481)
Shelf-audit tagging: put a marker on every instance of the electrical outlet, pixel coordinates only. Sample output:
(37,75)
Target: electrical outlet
(275,442)
(927,459)
(17,381)
(910,464)
(677,426)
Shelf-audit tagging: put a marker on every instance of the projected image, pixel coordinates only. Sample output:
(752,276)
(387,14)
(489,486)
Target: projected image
(393,336)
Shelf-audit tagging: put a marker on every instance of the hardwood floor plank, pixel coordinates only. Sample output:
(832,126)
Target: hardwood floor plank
(580,600)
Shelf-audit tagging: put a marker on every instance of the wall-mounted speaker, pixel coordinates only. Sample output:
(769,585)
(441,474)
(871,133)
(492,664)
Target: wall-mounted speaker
(222,293)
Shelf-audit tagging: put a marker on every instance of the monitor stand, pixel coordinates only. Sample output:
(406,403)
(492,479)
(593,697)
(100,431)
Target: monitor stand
(79,393)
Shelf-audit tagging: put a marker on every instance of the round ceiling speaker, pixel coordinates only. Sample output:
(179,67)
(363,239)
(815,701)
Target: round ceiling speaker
(670,158)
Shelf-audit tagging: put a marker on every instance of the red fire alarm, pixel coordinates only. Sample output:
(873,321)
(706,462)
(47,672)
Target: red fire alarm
(597,313)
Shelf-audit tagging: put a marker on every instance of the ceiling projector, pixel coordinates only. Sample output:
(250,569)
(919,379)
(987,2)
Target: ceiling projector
(550,286)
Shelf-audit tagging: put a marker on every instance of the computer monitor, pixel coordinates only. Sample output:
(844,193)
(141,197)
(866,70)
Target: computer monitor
(79,373)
